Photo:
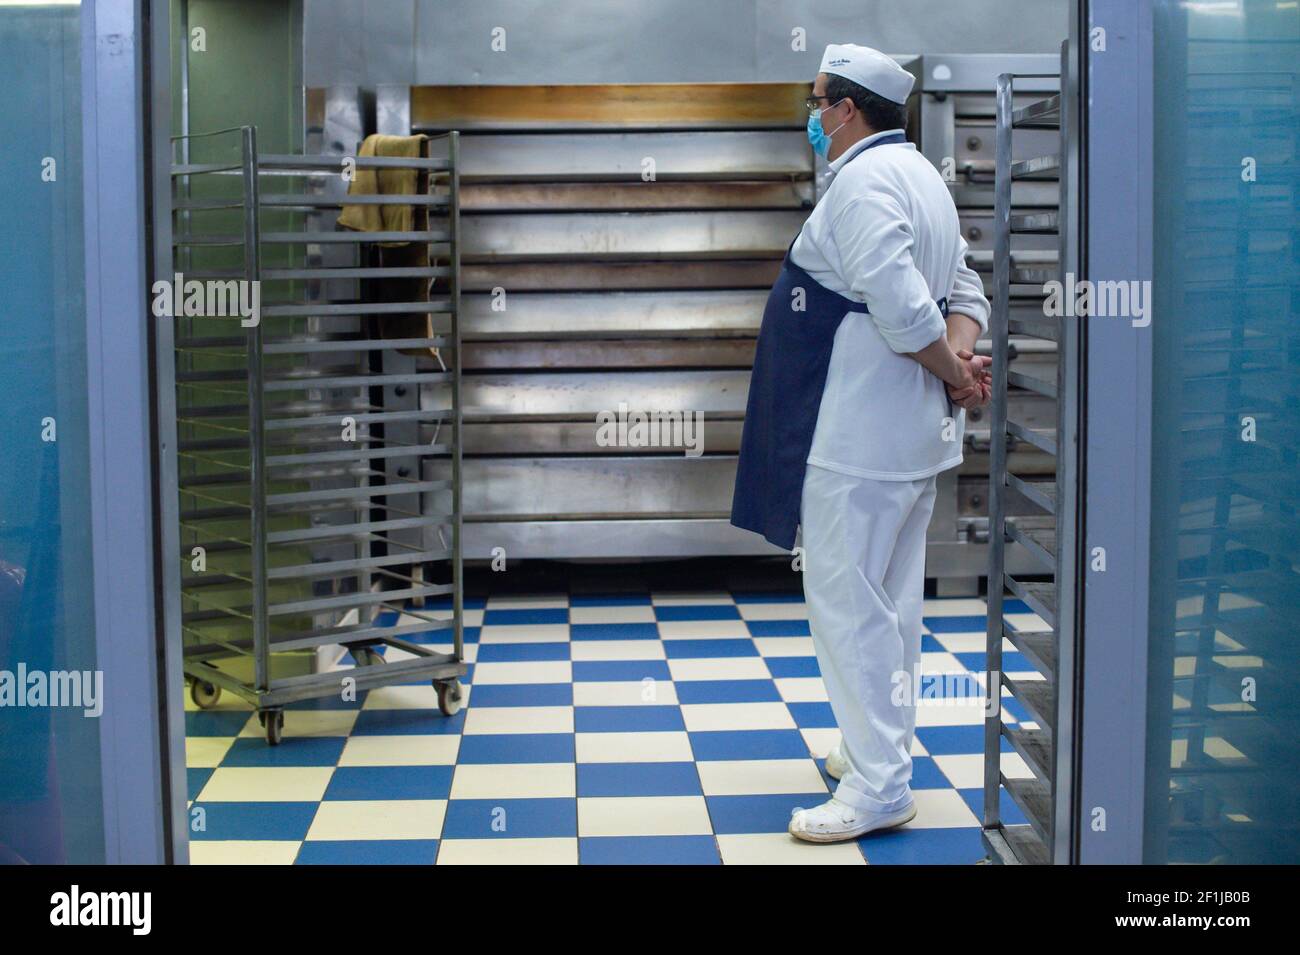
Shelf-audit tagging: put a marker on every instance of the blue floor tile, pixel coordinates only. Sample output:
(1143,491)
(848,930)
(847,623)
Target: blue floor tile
(958,846)
(927,775)
(748,744)
(521,652)
(779,628)
(510,819)
(369,852)
(648,850)
(523,694)
(195,780)
(334,701)
(951,740)
(1008,811)
(408,722)
(734,815)
(812,715)
(293,751)
(216,722)
(638,779)
(492,618)
(768,597)
(264,821)
(517,748)
(614,631)
(609,600)
(645,718)
(971,624)
(620,671)
(790,667)
(697,612)
(727,691)
(951,686)
(390,782)
(704,649)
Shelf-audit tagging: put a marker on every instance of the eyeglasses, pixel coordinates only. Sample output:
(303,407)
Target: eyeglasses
(813,102)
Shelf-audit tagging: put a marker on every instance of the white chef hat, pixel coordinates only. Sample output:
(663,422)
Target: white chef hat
(869,68)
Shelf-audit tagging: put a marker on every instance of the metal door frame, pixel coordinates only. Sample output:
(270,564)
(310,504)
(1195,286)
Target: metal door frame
(1116,244)
(142,757)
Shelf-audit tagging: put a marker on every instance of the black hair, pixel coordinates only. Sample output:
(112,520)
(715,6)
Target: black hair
(880,113)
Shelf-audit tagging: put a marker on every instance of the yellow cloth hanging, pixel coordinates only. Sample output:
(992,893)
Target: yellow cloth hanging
(384,182)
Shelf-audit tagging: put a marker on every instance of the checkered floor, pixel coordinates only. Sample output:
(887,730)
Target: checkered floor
(663,728)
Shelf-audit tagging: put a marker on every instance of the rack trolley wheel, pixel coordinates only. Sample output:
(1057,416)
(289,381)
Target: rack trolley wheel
(449,696)
(204,694)
(273,721)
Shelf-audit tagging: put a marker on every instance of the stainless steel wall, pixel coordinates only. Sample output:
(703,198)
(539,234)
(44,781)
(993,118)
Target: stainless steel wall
(438,42)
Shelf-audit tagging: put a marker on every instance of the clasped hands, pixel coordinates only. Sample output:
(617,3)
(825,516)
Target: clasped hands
(975,389)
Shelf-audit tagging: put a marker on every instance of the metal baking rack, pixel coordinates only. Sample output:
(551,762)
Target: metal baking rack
(305,523)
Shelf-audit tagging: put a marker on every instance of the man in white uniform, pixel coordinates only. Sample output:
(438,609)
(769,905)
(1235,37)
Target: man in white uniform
(883,254)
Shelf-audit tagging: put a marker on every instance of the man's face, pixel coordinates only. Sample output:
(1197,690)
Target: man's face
(818,102)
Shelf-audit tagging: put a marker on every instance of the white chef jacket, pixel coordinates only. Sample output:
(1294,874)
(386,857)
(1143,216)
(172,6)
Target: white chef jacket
(886,233)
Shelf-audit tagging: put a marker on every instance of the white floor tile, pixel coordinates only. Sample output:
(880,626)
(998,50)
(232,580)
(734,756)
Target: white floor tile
(524,633)
(242,852)
(400,751)
(514,781)
(637,613)
(691,599)
(776,611)
(785,646)
(515,673)
(528,602)
(719,668)
(703,630)
(954,607)
(587,650)
(417,697)
(668,747)
(310,723)
(378,819)
(643,816)
(648,692)
(958,711)
(941,809)
(820,740)
(498,720)
(703,717)
(963,642)
(267,784)
(780,848)
(803,689)
(555,851)
(754,777)
(202,752)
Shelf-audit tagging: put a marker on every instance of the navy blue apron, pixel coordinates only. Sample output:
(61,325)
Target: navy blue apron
(785,394)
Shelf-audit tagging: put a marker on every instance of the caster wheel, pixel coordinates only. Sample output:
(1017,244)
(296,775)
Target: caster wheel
(205,695)
(449,697)
(274,723)
(367,657)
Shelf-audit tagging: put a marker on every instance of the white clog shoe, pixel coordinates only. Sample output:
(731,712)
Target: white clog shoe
(836,821)
(836,764)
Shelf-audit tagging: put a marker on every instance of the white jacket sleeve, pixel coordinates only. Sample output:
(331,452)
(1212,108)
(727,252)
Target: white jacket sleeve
(875,245)
(967,295)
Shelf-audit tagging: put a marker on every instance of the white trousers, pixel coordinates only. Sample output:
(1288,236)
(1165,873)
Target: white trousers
(864,581)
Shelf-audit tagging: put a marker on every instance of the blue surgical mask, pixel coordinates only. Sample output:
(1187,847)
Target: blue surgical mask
(820,139)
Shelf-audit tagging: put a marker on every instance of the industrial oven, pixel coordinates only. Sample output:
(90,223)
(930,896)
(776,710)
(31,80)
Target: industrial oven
(617,252)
